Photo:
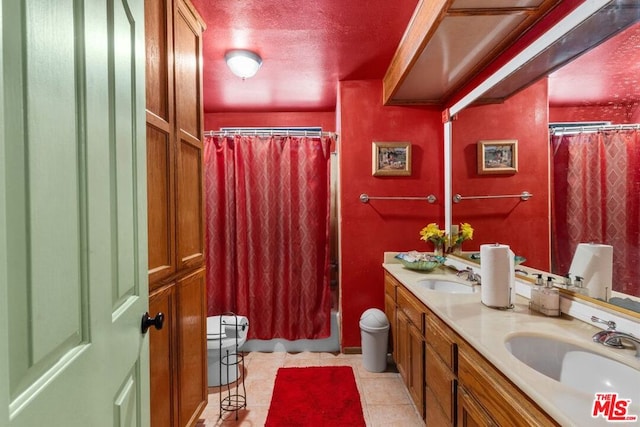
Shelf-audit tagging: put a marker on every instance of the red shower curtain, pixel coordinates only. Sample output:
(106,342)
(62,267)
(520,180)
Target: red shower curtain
(596,198)
(267,207)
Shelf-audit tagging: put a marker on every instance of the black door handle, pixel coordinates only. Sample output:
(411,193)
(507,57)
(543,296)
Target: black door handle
(148,321)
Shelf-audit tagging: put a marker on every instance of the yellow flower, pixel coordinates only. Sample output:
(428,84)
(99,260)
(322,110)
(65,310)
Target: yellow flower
(432,233)
(466,232)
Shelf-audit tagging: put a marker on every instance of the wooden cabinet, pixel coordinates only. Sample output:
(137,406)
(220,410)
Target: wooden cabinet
(504,403)
(408,336)
(162,360)
(449,381)
(191,314)
(440,372)
(178,359)
(470,413)
(390,285)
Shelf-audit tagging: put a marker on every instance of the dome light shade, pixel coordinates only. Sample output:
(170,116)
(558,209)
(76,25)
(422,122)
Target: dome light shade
(243,63)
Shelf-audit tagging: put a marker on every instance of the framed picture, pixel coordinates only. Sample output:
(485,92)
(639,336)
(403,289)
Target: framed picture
(391,159)
(498,157)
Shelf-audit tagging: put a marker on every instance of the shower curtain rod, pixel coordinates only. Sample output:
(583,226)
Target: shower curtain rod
(562,130)
(269,132)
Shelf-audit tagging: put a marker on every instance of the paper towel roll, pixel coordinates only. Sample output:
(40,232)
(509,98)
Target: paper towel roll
(497,270)
(594,263)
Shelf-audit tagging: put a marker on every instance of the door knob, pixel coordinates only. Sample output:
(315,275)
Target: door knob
(148,321)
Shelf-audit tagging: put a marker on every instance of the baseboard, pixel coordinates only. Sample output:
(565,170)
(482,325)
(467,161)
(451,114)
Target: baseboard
(352,350)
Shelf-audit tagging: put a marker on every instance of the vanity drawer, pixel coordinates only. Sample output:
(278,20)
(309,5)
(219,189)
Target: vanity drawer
(411,307)
(390,285)
(506,403)
(442,339)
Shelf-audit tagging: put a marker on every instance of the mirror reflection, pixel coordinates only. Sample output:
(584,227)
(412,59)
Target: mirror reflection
(585,181)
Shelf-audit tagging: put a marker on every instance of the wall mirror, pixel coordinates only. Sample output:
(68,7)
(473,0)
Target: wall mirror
(590,31)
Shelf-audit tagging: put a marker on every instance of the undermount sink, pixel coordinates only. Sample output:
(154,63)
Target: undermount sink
(575,366)
(448,286)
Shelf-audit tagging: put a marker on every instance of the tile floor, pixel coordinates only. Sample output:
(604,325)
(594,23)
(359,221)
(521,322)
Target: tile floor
(385,400)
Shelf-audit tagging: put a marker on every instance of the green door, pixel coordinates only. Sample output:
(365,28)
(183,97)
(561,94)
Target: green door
(73,263)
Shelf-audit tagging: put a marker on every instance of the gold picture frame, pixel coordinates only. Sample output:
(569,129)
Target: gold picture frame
(498,156)
(391,159)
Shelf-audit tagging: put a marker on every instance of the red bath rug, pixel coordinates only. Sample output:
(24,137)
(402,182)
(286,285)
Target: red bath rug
(315,396)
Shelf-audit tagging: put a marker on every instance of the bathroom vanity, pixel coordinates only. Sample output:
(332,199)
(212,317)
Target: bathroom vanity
(452,353)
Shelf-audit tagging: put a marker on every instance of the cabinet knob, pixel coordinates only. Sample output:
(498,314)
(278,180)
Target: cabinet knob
(148,321)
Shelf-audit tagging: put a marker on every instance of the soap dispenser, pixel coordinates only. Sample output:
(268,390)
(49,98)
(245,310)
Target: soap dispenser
(579,286)
(534,302)
(545,299)
(550,299)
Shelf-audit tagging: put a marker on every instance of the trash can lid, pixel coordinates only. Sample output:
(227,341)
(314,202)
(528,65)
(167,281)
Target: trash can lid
(374,319)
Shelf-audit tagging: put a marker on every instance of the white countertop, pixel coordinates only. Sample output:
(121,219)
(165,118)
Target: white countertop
(486,329)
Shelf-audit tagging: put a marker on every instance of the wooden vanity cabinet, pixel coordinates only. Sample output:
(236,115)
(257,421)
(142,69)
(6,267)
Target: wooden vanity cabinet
(450,382)
(406,315)
(410,331)
(470,413)
(390,285)
(490,398)
(440,372)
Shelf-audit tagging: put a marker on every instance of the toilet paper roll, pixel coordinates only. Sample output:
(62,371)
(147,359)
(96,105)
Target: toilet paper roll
(497,270)
(234,326)
(594,263)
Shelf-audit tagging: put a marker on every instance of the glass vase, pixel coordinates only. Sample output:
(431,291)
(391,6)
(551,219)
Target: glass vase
(456,249)
(438,248)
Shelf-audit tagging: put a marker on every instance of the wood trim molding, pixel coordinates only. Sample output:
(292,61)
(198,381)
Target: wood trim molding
(423,26)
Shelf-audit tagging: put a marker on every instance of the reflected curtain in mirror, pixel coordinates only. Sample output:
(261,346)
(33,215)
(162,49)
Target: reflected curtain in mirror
(596,198)
(267,209)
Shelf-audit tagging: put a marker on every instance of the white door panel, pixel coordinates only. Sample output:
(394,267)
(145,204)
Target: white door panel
(73,281)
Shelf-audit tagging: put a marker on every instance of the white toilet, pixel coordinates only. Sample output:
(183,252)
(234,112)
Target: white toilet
(225,335)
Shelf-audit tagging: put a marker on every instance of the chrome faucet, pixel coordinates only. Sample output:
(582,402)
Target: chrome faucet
(601,335)
(614,338)
(471,276)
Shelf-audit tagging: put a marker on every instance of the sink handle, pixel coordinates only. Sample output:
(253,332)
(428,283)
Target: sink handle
(610,323)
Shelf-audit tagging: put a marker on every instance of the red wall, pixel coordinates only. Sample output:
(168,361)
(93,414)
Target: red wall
(326,120)
(368,230)
(522,225)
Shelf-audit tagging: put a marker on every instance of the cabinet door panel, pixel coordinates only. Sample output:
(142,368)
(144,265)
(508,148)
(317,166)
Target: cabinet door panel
(188,72)
(190,212)
(416,363)
(158,45)
(160,205)
(402,351)
(470,413)
(390,311)
(192,346)
(162,360)
(440,384)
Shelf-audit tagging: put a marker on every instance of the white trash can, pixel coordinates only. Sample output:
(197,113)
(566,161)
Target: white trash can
(374,330)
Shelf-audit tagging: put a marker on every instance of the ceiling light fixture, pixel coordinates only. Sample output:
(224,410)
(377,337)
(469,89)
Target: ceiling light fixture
(243,63)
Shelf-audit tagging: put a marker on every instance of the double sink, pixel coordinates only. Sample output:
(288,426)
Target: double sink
(586,372)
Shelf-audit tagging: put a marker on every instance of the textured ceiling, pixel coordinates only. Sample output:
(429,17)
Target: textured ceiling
(306,46)
(609,74)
